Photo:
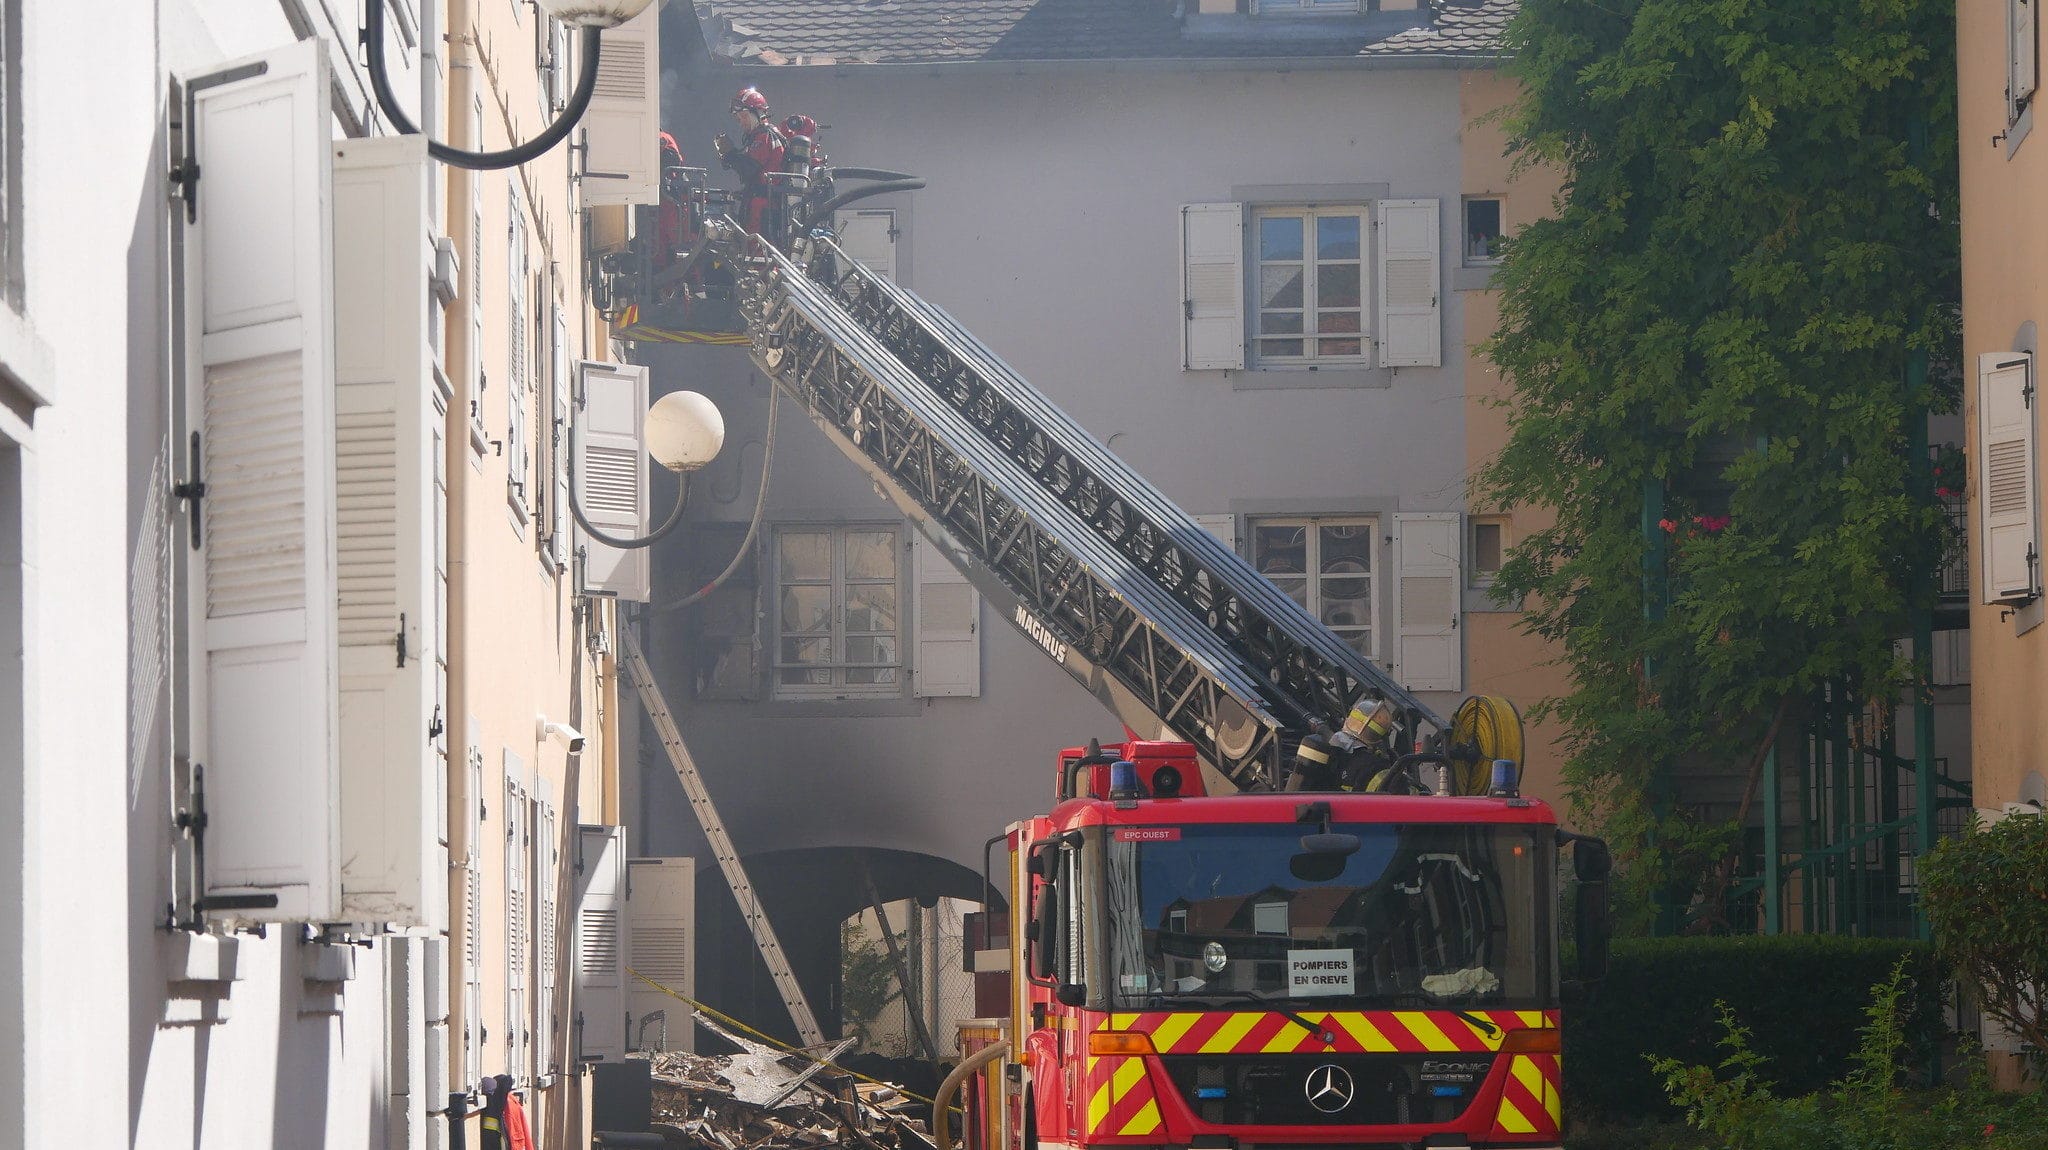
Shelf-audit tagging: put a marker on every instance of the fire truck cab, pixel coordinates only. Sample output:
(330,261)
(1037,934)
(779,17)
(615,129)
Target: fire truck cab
(1290,968)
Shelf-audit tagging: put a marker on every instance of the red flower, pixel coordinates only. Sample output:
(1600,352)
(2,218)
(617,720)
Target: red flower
(1668,525)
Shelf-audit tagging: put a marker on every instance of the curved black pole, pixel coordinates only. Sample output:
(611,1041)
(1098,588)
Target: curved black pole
(586,83)
(675,515)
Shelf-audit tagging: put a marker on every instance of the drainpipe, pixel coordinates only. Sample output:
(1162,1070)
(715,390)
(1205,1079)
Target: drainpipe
(458,340)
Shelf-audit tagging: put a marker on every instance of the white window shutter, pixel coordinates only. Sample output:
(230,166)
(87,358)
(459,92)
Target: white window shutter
(546,856)
(519,360)
(622,127)
(600,958)
(473,923)
(1410,284)
(1223,527)
(870,238)
(661,926)
(612,476)
(948,626)
(2008,477)
(1212,287)
(558,445)
(258,280)
(394,868)
(518,922)
(1428,651)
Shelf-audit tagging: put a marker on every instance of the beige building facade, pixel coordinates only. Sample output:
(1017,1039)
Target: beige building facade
(2005,302)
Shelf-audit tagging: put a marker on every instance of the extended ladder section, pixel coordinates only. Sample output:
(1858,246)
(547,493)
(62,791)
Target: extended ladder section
(642,679)
(1162,621)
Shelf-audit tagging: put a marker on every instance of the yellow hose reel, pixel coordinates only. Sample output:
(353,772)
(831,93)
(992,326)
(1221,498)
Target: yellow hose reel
(1492,725)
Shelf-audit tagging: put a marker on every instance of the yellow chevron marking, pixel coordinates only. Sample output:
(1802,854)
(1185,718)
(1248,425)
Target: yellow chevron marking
(1226,1038)
(1098,1103)
(1285,1040)
(1145,1121)
(1365,1033)
(1129,1072)
(1168,1036)
(1532,1019)
(1525,1072)
(1426,1032)
(1119,1022)
(1511,1120)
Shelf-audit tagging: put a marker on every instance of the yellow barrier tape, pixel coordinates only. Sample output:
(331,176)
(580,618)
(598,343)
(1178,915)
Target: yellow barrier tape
(729,1020)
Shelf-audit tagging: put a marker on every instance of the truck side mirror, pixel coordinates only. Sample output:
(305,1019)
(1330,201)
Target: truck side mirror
(1592,930)
(1044,931)
(1071,994)
(1591,860)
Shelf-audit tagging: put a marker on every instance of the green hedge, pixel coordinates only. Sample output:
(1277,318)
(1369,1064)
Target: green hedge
(1801,996)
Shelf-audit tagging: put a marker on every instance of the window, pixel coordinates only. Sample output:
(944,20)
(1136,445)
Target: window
(1308,7)
(1269,917)
(1326,566)
(1482,229)
(838,630)
(2022,52)
(1311,285)
(1489,541)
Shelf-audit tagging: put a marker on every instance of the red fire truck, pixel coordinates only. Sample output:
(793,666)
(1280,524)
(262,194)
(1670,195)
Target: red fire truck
(1286,968)
(1354,942)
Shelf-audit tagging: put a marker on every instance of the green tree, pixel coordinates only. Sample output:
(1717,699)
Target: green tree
(1986,896)
(1757,226)
(867,980)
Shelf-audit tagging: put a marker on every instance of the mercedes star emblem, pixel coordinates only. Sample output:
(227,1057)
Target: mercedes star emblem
(1328,1088)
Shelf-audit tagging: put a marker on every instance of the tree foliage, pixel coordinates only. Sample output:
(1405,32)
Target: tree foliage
(1986,896)
(1757,225)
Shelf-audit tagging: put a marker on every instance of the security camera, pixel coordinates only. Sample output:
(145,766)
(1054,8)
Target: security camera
(564,734)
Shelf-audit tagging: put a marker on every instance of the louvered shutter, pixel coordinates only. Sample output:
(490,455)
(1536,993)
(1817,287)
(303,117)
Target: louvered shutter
(519,364)
(518,923)
(600,967)
(558,444)
(2009,482)
(1428,652)
(546,857)
(611,475)
(661,899)
(393,865)
(1212,286)
(1410,281)
(622,127)
(870,238)
(257,280)
(1223,527)
(948,627)
(473,922)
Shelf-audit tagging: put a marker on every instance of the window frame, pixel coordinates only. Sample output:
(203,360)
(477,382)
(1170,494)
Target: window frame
(13,267)
(837,583)
(1475,577)
(1307,7)
(1312,561)
(1467,258)
(1257,338)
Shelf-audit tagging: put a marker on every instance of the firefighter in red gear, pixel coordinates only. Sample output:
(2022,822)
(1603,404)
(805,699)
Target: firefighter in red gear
(800,145)
(674,229)
(758,154)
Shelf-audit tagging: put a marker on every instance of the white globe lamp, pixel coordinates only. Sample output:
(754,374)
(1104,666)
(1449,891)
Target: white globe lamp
(594,13)
(684,431)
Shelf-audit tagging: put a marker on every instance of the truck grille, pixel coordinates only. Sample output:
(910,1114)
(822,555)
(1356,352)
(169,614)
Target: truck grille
(1275,1090)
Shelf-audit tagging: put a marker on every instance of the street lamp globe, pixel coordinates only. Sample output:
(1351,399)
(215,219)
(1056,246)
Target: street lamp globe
(684,431)
(594,13)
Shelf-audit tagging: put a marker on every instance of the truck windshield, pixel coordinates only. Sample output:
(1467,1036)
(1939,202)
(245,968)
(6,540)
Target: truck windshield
(1420,914)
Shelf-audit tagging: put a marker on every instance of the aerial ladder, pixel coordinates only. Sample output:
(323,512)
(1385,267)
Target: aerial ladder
(1164,623)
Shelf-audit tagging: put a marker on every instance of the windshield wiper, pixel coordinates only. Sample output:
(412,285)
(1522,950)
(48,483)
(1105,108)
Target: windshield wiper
(1427,999)
(1322,1033)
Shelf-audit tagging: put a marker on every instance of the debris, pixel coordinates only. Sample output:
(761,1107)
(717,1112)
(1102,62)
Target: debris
(762,1098)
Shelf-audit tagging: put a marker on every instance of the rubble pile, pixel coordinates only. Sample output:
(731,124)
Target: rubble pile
(764,1099)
